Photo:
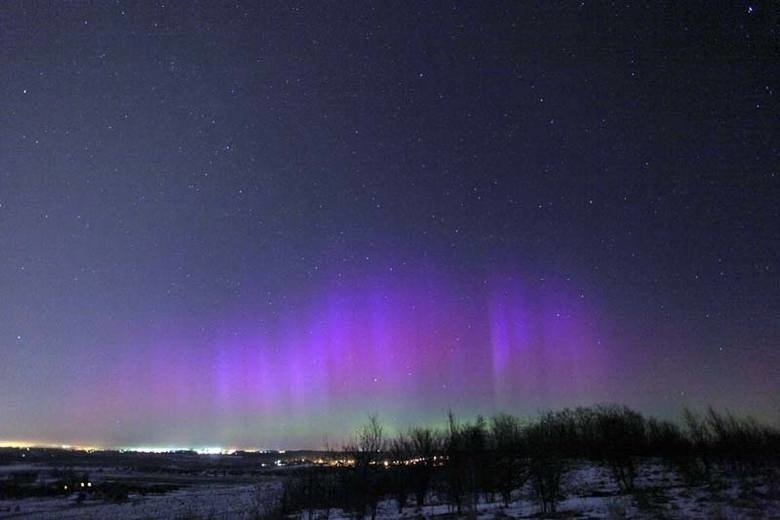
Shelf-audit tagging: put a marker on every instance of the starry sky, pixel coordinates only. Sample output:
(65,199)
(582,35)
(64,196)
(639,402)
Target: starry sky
(250,224)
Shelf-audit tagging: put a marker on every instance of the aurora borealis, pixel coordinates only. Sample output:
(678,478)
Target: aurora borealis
(410,346)
(252,225)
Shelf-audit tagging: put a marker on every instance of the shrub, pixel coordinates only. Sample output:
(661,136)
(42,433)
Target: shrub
(509,467)
(546,460)
(621,439)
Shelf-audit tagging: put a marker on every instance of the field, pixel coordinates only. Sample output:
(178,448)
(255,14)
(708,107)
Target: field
(187,485)
(605,461)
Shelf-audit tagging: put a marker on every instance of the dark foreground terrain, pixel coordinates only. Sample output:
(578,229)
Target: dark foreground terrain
(604,462)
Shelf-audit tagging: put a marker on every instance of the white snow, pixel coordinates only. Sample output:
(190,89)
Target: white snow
(590,493)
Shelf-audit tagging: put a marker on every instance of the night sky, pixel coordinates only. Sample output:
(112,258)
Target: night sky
(251,224)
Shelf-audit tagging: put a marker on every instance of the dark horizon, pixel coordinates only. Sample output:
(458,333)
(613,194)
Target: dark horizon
(336,445)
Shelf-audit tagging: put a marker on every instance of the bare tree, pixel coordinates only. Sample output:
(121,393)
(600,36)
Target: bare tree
(546,460)
(424,447)
(400,482)
(508,465)
(371,439)
(371,445)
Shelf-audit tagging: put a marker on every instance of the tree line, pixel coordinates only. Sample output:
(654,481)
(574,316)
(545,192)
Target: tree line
(485,460)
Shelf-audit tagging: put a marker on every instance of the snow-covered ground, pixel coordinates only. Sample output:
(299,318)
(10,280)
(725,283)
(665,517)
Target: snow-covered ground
(590,493)
(212,501)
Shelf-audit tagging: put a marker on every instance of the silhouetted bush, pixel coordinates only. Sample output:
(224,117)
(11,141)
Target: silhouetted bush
(621,440)
(308,489)
(425,446)
(399,478)
(546,441)
(465,470)
(665,439)
(508,464)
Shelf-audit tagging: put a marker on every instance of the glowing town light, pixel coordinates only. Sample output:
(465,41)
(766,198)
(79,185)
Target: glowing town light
(214,450)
